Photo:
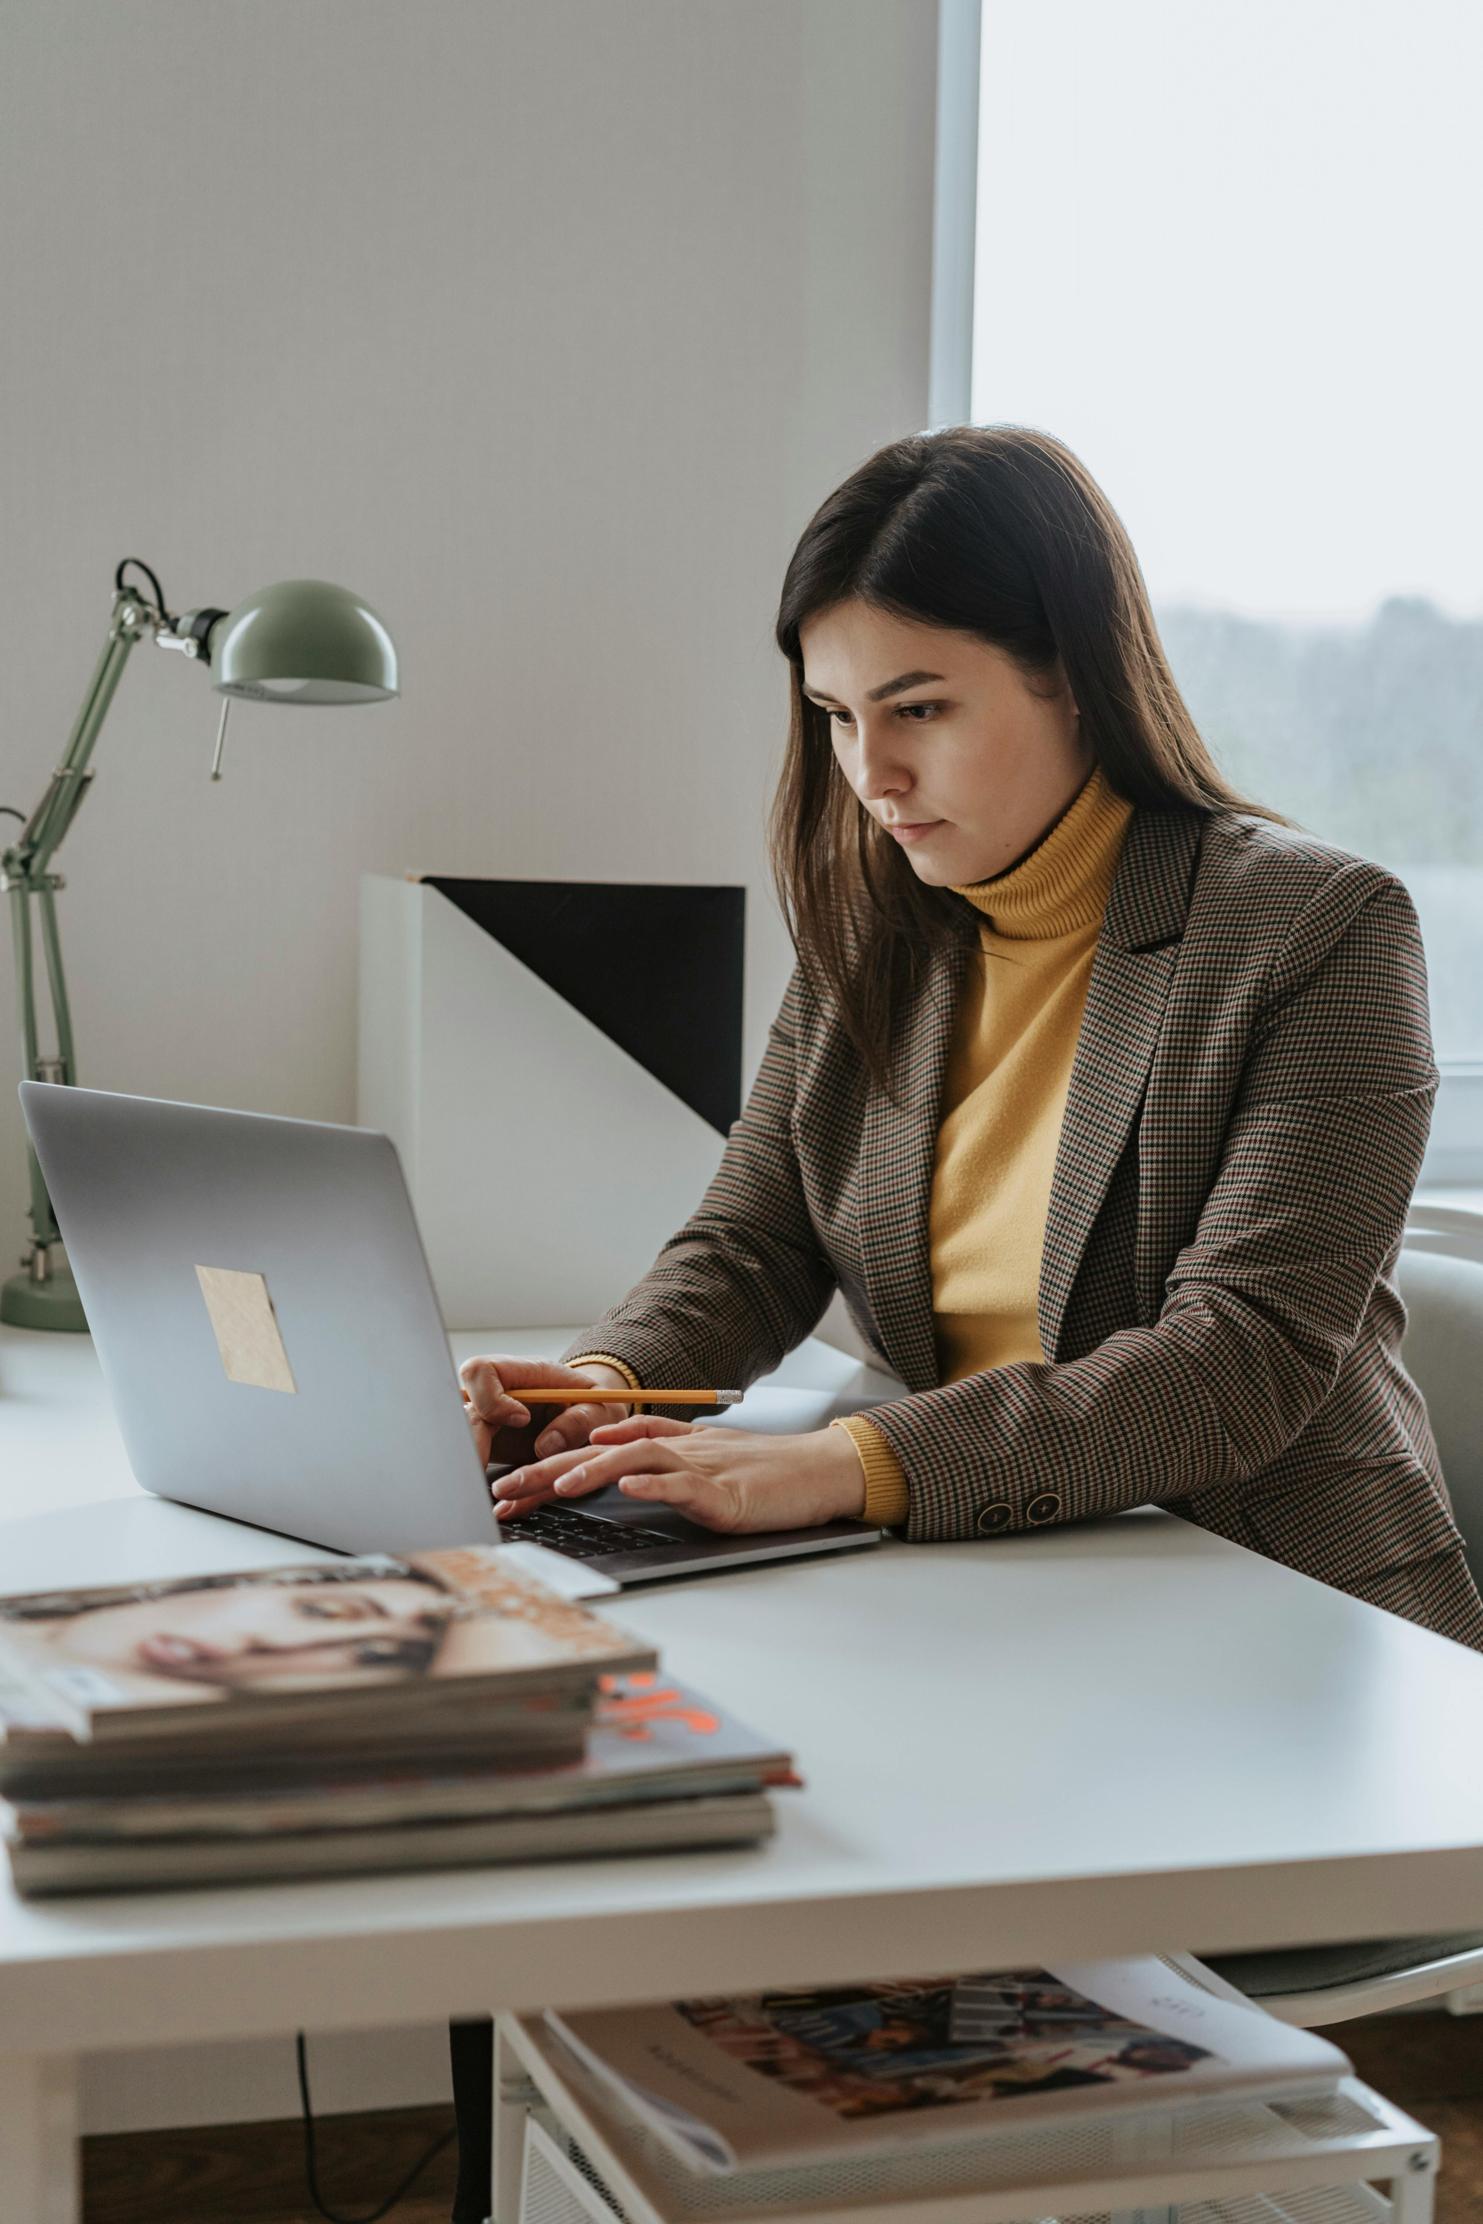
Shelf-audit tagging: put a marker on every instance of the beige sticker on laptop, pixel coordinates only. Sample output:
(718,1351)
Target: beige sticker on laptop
(246,1328)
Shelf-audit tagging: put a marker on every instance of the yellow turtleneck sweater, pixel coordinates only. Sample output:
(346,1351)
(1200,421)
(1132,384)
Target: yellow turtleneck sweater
(1004,1093)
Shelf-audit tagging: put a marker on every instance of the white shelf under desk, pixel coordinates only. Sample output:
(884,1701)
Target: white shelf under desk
(1350,2158)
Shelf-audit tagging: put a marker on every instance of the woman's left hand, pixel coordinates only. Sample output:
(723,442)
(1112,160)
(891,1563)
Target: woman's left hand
(724,1478)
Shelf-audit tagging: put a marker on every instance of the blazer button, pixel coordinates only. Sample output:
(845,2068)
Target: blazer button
(994,1518)
(1043,1508)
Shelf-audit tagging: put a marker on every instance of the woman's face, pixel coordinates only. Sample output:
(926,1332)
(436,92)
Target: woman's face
(966,744)
(251,1635)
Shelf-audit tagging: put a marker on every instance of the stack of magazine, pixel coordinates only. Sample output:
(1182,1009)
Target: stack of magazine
(828,2073)
(372,1713)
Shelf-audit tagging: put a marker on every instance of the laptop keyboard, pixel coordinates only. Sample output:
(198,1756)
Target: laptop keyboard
(583,1536)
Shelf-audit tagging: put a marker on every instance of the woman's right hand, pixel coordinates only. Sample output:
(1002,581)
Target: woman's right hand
(509,1434)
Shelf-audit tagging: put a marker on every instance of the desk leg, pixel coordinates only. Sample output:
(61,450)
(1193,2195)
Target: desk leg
(39,2164)
(1412,2195)
(513,2094)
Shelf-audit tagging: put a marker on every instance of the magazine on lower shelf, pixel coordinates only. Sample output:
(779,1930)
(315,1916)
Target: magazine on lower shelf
(822,2073)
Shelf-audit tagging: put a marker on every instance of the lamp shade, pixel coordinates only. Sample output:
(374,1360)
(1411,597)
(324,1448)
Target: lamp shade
(303,641)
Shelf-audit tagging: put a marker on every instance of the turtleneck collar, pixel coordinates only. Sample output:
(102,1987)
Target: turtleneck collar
(1064,881)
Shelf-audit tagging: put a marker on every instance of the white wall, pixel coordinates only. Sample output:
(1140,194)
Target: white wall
(545,324)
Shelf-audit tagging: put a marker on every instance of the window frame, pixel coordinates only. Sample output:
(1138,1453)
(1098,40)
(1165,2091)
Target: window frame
(1454,1152)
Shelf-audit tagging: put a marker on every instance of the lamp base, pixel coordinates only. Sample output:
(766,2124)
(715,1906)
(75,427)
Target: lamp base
(54,1303)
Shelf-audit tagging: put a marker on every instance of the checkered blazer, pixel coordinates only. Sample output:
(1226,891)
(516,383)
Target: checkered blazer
(1247,1111)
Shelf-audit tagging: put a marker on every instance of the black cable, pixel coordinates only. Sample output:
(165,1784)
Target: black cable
(159,592)
(333,2216)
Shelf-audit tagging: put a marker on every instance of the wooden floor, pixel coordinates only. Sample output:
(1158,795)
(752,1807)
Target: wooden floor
(254,2173)
(1431,2065)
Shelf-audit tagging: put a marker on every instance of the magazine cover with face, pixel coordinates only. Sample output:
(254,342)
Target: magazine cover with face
(422,1631)
(816,2074)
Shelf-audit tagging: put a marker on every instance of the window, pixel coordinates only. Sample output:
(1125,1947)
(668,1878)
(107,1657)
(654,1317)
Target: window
(1229,256)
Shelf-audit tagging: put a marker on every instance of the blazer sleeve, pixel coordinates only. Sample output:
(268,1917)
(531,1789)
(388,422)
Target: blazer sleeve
(745,1279)
(1319,1163)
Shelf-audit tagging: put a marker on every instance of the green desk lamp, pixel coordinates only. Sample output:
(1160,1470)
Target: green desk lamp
(302,641)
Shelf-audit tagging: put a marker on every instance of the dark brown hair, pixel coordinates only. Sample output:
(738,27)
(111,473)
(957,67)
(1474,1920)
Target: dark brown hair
(1000,532)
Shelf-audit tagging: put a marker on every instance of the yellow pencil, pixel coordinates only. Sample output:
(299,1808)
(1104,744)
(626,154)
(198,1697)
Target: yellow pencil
(660,1397)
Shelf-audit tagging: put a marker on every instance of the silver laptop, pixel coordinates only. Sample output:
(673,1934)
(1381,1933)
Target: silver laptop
(266,1324)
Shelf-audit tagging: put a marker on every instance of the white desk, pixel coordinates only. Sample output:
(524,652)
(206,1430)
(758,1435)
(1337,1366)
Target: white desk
(1097,1740)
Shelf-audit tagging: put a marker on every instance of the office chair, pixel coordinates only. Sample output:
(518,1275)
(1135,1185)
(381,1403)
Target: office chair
(1440,1275)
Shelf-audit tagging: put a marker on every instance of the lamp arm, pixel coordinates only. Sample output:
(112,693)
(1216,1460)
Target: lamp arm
(43,1219)
(24,874)
(61,1012)
(33,848)
(64,1067)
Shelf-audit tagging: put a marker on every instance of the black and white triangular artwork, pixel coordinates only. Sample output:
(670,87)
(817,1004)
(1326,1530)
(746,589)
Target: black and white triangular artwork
(559,1064)
(659,969)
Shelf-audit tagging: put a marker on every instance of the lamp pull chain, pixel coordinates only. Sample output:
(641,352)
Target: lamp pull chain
(221,735)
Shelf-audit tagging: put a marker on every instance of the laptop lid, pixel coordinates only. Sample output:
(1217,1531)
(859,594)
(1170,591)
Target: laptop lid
(264,1317)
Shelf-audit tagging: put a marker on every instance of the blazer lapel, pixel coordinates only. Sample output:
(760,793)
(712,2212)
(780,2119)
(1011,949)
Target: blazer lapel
(1126,994)
(899,1150)
(1120,1025)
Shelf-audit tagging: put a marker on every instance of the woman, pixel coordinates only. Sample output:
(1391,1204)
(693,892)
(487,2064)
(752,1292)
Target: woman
(1099,1090)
